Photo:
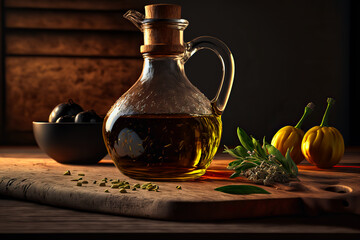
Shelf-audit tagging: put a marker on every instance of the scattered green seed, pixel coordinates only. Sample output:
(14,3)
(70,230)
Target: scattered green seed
(80,178)
(151,188)
(178,187)
(79,184)
(122,190)
(84,182)
(95,182)
(115,186)
(106,190)
(102,184)
(145,185)
(115,182)
(74,179)
(136,185)
(67,172)
(81,174)
(126,186)
(134,189)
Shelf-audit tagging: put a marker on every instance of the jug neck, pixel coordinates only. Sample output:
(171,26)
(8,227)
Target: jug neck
(163,29)
(156,66)
(163,36)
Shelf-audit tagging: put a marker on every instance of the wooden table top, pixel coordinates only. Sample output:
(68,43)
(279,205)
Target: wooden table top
(26,219)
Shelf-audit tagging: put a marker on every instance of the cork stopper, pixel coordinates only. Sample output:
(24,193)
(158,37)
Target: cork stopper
(163,30)
(162,11)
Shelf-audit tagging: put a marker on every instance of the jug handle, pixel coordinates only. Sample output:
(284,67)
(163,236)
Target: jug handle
(228,67)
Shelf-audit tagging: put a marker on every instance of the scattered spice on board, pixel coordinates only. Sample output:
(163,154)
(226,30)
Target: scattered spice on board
(116,183)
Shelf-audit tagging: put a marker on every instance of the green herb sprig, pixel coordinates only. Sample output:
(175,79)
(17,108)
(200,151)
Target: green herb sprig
(263,164)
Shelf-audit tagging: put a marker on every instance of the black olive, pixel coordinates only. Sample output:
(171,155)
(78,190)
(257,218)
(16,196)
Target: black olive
(66,118)
(88,116)
(70,108)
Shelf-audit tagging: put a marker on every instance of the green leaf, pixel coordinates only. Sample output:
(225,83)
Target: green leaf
(287,155)
(245,165)
(245,140)
(241,189)
(235,164)
(264,145)
(274,151)
(258,148)
(293,167)
(286,162)
(241,151)
(232,152)
(235,174)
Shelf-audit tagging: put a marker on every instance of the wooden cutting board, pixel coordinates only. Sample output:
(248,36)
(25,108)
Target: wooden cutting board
(34,177)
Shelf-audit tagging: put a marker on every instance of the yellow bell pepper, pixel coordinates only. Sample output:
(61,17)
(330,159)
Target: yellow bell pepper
(290,137)
(322,145)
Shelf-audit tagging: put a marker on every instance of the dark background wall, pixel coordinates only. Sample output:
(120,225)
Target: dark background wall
(287,53)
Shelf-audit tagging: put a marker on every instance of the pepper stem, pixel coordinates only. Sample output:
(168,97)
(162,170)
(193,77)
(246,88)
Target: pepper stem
(308,109)
(324,122)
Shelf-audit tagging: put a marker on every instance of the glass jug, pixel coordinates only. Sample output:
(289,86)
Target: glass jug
(163,127)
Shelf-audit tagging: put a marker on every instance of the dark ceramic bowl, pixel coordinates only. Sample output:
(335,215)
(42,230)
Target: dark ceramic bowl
(71,143)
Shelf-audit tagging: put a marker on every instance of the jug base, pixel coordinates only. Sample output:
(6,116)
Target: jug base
(157,174)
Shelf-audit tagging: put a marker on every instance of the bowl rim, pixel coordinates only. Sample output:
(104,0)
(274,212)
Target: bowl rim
(65,123)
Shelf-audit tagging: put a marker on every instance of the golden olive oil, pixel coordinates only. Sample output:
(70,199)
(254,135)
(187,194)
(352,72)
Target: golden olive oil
(163,147)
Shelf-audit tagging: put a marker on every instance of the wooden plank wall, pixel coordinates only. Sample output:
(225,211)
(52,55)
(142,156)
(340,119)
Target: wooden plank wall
(2,75)
(55,50)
